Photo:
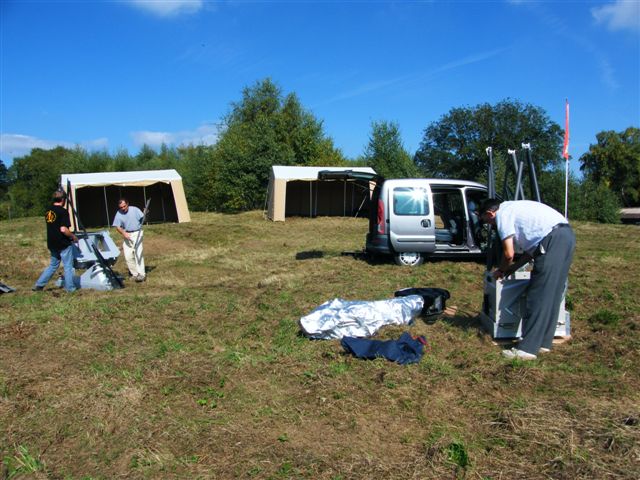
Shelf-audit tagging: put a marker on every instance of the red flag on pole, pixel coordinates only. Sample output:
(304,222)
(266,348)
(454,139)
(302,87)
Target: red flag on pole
(565,148)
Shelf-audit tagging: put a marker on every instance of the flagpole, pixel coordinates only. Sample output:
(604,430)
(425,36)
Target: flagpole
(566,188)
(565,154)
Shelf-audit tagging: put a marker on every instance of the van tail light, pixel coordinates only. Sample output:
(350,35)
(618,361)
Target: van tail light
(380,216)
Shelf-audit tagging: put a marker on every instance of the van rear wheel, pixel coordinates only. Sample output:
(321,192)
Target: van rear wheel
(409,259)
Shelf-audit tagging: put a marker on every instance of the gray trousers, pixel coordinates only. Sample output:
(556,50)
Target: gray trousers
(545,289)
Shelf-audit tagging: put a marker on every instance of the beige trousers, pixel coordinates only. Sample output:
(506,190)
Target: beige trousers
(134,259)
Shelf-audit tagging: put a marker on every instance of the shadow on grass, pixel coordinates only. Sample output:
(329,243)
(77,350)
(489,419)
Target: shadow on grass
(466,321)
(381,259)
(308,255)
(358,255)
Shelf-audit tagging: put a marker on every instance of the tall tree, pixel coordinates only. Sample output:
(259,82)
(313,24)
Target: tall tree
(264,129)
(34,177)
(122,161)
(594,202)
(615,162)
(196,167)
(386,154)
(98,161)
(167,158)
(587,199)
(145,157)
(454,146)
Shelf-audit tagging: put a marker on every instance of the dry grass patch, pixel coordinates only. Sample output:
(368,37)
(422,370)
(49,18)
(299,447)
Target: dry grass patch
(201,372)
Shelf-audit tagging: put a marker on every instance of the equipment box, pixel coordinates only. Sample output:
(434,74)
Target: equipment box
(505,303)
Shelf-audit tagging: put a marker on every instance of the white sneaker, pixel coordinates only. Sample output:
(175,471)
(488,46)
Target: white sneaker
(544,350)
(521,354)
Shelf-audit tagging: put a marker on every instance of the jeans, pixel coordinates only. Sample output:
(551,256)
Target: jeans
(66,256)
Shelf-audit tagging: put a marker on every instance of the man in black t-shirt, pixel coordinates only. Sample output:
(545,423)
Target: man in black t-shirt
(60,242)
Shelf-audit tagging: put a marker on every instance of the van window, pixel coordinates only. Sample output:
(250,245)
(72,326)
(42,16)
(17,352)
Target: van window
(448,209)
(410,201)
(474,199)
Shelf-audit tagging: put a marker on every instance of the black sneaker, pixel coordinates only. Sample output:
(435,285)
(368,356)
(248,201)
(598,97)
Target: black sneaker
(36,288)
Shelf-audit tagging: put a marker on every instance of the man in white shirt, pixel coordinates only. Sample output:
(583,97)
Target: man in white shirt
(546,237)
(128,223)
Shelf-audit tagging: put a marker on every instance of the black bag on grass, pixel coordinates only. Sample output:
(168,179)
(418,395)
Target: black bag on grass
(434,299)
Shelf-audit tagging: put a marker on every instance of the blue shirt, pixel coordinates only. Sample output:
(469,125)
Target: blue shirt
(130,221)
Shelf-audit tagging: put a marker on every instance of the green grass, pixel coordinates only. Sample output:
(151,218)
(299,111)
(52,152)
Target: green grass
(21,464)
(201,372)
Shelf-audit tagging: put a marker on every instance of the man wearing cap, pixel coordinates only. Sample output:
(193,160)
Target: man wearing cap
(128,223)
(60,242)
(546,237)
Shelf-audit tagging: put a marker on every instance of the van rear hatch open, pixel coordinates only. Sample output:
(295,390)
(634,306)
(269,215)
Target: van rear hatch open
(365,179)
(349,175)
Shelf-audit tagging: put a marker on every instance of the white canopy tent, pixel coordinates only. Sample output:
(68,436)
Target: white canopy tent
(96,195)
(297,191)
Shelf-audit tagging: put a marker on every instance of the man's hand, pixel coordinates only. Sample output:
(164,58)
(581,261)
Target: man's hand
(69,234)
(124,233)
(506,265)
(511,268)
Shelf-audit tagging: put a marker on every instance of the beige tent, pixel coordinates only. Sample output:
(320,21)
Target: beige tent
(95,195)
(296,191)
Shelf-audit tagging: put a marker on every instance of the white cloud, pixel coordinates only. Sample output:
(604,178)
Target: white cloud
(168,8)
(462,62)
(97,144)
(557,25)
(153,139)
(607,73)
(407,79)
(619,15)
(364,89)
(204,135)
(14,145)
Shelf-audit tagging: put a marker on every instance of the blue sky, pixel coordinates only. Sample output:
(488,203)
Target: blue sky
(118,74)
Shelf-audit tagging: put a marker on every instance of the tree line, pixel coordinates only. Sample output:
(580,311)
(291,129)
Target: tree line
(266,127)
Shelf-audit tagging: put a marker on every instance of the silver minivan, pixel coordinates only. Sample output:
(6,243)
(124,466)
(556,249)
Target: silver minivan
(414,218)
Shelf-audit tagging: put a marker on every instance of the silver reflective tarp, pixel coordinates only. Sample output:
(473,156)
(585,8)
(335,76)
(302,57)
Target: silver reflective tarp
(338,318)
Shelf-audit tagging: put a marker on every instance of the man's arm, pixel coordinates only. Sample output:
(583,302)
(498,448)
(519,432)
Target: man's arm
(123,232)
(118,224)
(508,254)
(68,233)
(507,265)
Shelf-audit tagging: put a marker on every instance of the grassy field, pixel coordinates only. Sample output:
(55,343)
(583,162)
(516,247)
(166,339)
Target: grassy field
(201,371)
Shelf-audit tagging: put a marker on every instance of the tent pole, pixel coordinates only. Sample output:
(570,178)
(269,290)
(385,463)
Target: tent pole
(316,205)
(164,216)
(106,207)
(344,198)
(360,207)
(353,197)
(310,200)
